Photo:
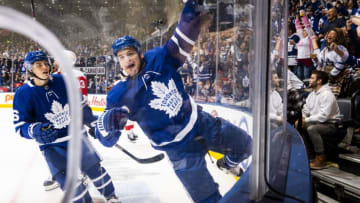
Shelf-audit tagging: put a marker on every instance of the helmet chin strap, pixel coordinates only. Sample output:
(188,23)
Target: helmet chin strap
(34,75)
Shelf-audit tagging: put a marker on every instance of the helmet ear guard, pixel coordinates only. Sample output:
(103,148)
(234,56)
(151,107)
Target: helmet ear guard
(28,66)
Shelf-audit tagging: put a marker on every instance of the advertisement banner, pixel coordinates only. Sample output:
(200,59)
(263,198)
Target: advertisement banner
(6,100)
(93,70)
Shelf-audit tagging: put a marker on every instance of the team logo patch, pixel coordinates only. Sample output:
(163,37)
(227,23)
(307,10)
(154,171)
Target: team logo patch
(60,117)
(168,98)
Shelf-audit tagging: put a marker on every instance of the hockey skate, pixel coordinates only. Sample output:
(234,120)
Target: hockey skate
(236,171)
(132,136)
(113,199)
(50,184)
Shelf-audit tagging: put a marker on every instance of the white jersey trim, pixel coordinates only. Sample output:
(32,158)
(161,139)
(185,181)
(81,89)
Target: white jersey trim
(81,195)
(100,177)
(182,52)
(63,139)
(104,185)
(29,83)
(20,124)
(181,135)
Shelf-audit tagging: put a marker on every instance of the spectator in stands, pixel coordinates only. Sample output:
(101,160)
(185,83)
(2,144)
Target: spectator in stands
(319,110)
(91,86)
(332,22)
(293,82)
(276,104)
(204,69)
(333,57)
(190,87)
(304,47)
(185,72)
(293,39)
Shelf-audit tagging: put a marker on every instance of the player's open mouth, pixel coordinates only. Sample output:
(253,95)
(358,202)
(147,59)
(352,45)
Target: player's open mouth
(131,66)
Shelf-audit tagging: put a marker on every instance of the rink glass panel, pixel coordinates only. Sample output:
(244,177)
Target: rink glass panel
(218,71)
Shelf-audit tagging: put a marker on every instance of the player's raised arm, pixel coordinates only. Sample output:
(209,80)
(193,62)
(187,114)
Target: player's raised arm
(193,17)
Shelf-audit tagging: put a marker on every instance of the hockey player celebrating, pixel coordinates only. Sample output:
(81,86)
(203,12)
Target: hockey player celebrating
(42,113)
(51,183)
(153,95)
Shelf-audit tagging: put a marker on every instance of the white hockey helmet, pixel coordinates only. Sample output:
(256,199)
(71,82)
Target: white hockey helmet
(71,55)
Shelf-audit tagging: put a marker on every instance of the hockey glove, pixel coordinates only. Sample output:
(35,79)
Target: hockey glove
(44,133)
(110,124)
(116,118)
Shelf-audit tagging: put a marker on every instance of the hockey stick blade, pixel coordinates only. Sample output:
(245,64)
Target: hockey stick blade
(150,160)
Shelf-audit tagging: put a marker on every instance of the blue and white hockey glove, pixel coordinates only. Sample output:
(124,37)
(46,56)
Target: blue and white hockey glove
(110,124)
(44,133)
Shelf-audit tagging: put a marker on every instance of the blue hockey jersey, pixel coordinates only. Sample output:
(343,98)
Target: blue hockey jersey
(40,104)
(156,97)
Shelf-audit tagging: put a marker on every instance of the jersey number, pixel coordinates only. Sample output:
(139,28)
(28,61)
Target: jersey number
(16,115)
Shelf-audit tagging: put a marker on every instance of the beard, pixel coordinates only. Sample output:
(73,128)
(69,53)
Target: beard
(313,85)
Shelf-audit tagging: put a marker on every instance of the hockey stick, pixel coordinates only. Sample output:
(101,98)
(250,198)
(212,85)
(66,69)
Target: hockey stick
(150,160)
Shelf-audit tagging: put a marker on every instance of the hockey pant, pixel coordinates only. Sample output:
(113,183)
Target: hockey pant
(56,157)
(214,134)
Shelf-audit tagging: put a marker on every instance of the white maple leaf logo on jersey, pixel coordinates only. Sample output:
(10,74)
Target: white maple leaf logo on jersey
(169,99)
(60,117)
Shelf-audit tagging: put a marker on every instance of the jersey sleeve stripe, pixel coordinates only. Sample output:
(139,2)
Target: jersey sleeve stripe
(18,125)
(182,52)
(100,125)
(184,37)
(30,129)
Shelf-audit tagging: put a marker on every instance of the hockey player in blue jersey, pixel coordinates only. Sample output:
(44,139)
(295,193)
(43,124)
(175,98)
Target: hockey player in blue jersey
(153,95)
(41,112)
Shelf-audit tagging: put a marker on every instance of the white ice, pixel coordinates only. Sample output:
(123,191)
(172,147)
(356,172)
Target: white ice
(23,170)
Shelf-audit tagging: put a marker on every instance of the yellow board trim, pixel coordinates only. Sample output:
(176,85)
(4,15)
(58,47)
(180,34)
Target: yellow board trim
(6,105)
(218,156)
(100,109)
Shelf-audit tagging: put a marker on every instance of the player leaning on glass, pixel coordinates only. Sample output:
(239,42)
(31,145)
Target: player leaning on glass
(42,113)
(154,96)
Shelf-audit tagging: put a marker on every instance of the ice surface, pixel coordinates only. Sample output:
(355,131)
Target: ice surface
(23,170)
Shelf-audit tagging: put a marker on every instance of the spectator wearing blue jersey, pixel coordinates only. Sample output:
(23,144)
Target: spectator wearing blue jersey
(153,94)
(42,113)
(293,39)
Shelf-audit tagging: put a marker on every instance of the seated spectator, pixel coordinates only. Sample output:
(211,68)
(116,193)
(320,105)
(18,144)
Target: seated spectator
(318,112)
(276,104)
